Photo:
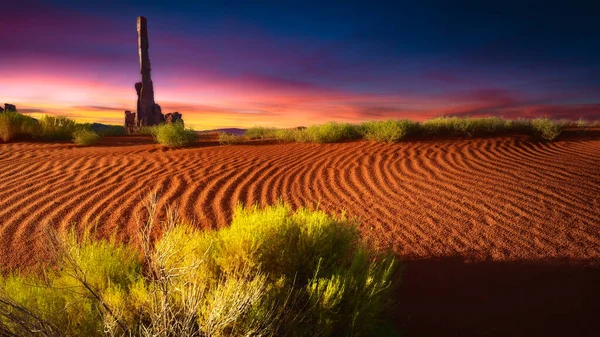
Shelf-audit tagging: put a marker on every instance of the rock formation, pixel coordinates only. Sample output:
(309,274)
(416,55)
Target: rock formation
(130,122)
(173,117)
(148,112)
(8,107)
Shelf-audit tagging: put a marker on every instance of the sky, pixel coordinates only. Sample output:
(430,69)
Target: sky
(286,64)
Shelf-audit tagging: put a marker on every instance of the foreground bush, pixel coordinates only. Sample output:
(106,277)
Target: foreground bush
(14,125)
(85,137)
(174,135)
(273,272)
(391,130)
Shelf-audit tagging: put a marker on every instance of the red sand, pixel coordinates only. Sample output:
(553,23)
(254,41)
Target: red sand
(501,235)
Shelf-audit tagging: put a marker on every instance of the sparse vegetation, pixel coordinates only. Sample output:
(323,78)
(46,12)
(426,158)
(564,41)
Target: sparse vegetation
(56,128)
(287,135)
(85,137)
(173,135)
(464,126)
(331,132)
(391,130)
(14,125)
(146,131)
(547,128)
(394,130)
(230,139)
(260,132)
(273,272)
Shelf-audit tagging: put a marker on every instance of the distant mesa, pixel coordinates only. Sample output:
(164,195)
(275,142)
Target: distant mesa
(8,107)
(148,112)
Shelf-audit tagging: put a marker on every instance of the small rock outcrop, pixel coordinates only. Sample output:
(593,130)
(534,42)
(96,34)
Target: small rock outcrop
(130,122)
(173,117)
(148,112)
(8,107)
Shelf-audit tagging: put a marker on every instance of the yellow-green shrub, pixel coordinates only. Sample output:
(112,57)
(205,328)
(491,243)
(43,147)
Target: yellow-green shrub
(466,126)
(260,132)
(174,135)
(56,128)
(546,128)
(230,139)
(62,300)
(274,271)
(391,130)
(14,124)
(85,137)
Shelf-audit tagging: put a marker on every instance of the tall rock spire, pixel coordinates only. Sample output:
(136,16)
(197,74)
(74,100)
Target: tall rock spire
(148,112)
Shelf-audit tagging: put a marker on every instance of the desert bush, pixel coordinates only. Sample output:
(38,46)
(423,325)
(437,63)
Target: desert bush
(519,126)
(230,139)
(56,128)
(85,137)
(287,135)
(581,123)
(273,272)
(78,297)
(14,124)
(260,132)
(331,132)
(391,130)
(466,126)
(546,128)
(146,131)
(174,135)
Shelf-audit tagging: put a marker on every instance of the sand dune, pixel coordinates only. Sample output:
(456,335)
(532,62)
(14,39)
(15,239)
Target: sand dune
(501,199)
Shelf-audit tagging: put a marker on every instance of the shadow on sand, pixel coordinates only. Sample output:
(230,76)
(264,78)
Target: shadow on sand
(450,297)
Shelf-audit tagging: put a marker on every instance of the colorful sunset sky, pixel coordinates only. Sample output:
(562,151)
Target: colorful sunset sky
(285,64)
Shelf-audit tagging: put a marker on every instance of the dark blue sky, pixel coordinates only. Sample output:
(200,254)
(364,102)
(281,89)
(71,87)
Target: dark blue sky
(304,61)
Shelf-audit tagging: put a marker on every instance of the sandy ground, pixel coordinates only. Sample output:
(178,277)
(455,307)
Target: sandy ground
(501,235)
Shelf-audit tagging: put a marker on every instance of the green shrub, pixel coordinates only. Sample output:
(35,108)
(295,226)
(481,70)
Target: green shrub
(73,299)
(582,124)
(519,126)
(174,135)
(14,125)
(272,272)
(331,132)
(56,128)
(85,137)
(546,128)
(466,126)
(260,132)
(391,130)
(287,135)
(146,131)
(230,139)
